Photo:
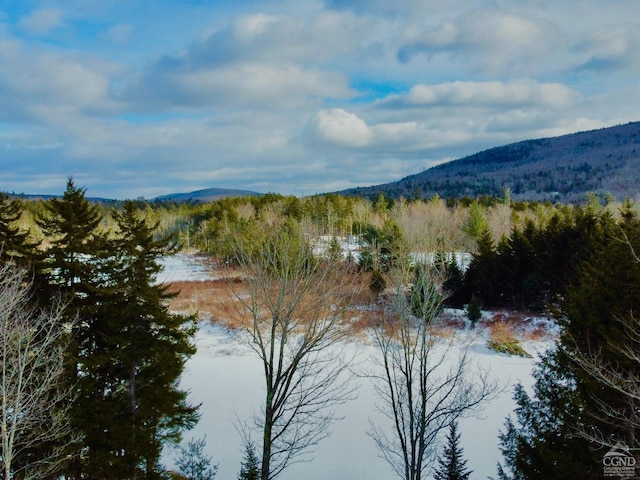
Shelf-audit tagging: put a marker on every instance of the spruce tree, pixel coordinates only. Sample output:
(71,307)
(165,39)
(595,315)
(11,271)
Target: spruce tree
(71,226)
(451,465)
(70,266)
(132,404)
(474,312)
(193,464)
(14,241)
(556,431)
(541,442)
(250,469)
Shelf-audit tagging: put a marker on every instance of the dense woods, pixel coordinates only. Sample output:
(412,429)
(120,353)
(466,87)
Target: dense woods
(125,350)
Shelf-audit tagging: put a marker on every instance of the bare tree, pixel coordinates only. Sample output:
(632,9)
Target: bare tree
(34,424)
(292,305)
(424,383)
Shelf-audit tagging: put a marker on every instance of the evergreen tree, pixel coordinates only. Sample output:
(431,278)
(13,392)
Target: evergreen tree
(334,252)
(383,249)
(541,442)
(553,434)
(452,466)
(193,464)
(453,284)
(131,404)
(71,225)
(70,267)
(474,313)
(377,282)
(14,242)
(250,469)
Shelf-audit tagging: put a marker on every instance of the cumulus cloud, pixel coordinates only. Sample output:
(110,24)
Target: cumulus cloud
(49,86)
(262,61)
(298,95)
(337,126)
(40,22)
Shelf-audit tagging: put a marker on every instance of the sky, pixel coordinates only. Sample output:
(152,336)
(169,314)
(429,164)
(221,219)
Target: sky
(140,98)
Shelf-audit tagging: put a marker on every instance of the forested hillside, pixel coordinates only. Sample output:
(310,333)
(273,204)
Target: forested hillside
(561,169)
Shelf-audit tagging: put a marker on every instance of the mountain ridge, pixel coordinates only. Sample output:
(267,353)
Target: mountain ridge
(204,195)
(563,168)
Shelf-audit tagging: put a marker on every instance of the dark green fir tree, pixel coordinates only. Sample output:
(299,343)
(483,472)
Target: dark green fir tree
(71,224)
(250,469)
(572,418)
(131,402)
(452,465)
(14,241)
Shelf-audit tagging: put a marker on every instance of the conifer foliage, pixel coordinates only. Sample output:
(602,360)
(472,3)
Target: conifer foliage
(129,350)
(452,465)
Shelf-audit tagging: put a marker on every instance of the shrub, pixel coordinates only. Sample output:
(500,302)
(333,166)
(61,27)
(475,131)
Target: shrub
(503,340)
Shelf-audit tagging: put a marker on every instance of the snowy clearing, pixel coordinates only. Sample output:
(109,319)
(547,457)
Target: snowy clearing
(225,377)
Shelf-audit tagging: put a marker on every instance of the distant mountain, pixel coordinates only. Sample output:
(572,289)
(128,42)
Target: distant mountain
(561,169)
(203,196)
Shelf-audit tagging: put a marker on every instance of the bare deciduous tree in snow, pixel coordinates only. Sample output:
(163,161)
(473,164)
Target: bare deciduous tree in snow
(34,425)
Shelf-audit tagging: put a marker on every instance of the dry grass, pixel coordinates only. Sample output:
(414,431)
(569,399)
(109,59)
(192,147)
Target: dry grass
(503,339)
(216,300)
(209,298)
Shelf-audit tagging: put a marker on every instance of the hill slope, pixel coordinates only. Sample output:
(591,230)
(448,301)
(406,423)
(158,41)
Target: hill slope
(203,196)
(562,168)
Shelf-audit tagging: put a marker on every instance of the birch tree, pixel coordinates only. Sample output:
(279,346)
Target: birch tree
(423,383)
(291,307)
(35,396)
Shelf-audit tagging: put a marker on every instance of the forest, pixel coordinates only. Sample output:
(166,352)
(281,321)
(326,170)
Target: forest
(92,349)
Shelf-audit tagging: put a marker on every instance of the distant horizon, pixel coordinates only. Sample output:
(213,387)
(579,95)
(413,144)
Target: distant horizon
(296,96)
(254,192)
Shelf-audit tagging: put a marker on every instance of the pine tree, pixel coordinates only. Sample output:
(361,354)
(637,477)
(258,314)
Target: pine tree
(71,225)
(131,402)
(193,464)
(250,469)
(452,466)
(14,241)
(474,313)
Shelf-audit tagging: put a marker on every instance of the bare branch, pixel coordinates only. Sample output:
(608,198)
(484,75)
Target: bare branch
(291,307)
(421,384)
(35,398)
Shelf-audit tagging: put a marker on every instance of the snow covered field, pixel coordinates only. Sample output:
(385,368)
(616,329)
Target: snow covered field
(224,376)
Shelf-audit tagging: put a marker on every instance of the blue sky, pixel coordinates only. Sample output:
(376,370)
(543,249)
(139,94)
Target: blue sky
(145,98)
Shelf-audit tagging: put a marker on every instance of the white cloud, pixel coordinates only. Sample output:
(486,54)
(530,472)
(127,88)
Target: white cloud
(299,94)
(611,48)
(340,127)
(493,40)
(510,94)
(40,22)
(48,86)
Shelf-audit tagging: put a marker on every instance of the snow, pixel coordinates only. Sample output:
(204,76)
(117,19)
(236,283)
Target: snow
(183,267)
(225,377)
